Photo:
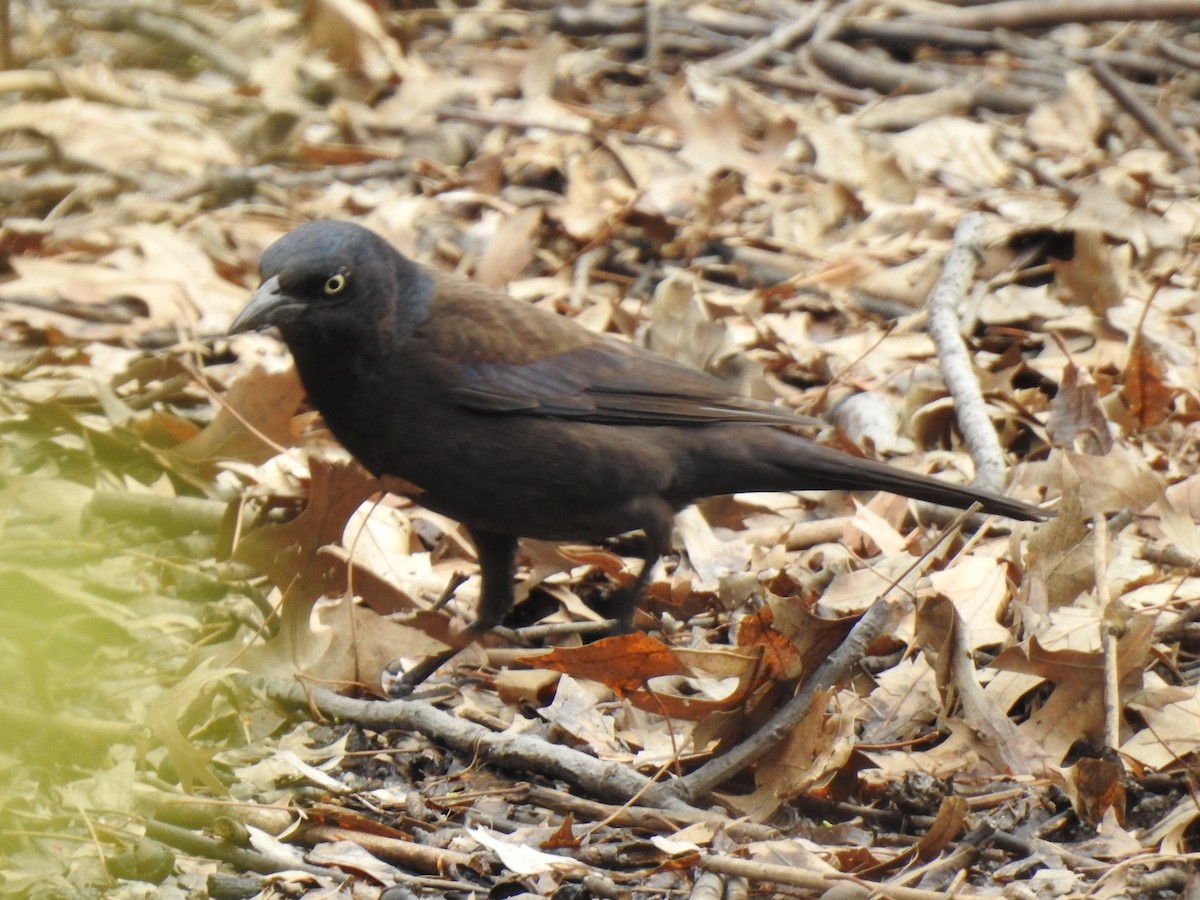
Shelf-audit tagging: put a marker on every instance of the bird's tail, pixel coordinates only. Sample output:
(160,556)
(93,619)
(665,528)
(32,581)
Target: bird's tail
(787,461)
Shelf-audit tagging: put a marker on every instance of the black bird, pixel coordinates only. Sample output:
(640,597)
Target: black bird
(520,423)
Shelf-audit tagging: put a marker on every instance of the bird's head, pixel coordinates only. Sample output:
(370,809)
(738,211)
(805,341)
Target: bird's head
(328,279)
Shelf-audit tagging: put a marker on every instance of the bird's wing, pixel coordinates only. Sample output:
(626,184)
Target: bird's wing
(500,355)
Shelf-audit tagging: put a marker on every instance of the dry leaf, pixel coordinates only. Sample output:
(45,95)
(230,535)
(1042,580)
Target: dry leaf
(1077,421)
(1143,386)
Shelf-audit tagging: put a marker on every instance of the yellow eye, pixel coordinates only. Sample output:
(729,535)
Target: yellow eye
(335,285)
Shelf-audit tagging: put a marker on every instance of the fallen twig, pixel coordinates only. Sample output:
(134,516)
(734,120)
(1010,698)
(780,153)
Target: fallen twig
(1181,55)
(214,848)
(970,410)
(757,871)
(176,515)
(517,752)
(1108,635)
(1156,126)
(781,38)
(831,672)
(167,26)
(597,132)
(887,77)
(1017,15)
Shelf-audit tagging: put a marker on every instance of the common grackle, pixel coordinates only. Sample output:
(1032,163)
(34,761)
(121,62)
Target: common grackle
(521,423)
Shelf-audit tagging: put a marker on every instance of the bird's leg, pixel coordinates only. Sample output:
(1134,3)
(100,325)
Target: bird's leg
(497,568)
(624,602)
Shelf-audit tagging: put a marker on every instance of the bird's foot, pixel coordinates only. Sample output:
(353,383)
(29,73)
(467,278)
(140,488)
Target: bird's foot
(398,688)
(620,606)
(406,683)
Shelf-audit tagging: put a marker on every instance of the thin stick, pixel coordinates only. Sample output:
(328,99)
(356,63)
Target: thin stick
(958,272)
(1158,127)
(1108,635)
(830,673)
(1019,15)
(781,38)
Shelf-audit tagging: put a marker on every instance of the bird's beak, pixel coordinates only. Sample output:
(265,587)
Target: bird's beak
(268,306)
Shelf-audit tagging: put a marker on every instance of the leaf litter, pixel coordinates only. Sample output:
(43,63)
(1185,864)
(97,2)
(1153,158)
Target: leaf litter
(178,523)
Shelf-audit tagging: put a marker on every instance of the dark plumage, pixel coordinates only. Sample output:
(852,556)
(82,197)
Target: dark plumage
(517,422)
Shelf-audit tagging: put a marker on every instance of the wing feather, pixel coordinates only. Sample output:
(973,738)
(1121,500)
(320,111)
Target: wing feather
(500,355)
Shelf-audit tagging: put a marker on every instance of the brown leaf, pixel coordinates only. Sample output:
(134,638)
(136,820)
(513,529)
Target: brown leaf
(946,827)
(532,686)
(253,422)
(941,634)
(1143,386)
(1059,558)
(626,663)
(1077,421)
(284,552)
(377,592)
(813,753)
(353,36)
(713,663)
(347,647)
(780,659)
(563,836)
(623,663)
(1120,480)
(980,590)
(1172,716)
(1095,786)
(1075,709)
(1073,119)
(1096,273)
(811,637)
(510,248)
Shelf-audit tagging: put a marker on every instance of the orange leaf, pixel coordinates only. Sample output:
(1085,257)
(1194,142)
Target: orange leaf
(563,837)
(780,660)
(623,663)
(1095,786)
(1144,391)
